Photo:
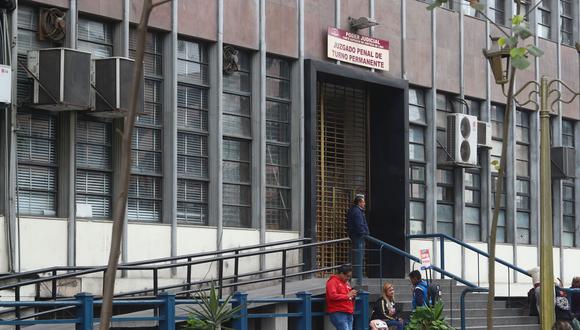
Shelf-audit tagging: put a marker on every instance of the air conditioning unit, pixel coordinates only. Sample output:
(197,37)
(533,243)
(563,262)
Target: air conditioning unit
(483,134)
(112,78)
(62,79)
(563,162)
(462,139)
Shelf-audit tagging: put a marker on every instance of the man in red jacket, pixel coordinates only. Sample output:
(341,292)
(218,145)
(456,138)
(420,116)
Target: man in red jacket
(340,298)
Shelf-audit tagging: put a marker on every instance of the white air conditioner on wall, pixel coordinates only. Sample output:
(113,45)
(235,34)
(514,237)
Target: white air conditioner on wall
(462,139)
(61,79)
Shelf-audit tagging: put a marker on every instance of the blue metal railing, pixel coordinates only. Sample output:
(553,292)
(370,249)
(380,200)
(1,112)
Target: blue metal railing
(471,287)
(443,237)
(166,303)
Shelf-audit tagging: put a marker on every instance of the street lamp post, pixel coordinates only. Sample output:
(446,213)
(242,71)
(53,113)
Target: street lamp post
(549,94)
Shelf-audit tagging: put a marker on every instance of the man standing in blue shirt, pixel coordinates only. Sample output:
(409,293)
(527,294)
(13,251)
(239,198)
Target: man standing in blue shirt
(357,228)
(420,288)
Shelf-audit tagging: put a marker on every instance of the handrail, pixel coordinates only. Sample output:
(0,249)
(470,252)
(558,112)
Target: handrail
(175,265)
(467,246)
(152,261)
(416,259)
(187,285)
(462,302)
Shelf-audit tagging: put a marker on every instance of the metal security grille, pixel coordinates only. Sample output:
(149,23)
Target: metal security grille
(342,164)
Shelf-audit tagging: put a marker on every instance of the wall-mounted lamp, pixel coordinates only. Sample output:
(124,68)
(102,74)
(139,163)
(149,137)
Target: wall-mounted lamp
(362,23)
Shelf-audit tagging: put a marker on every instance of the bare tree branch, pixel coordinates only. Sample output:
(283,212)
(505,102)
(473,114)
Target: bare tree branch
(120,204)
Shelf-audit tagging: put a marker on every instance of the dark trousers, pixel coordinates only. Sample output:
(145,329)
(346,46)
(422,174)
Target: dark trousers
(358,245)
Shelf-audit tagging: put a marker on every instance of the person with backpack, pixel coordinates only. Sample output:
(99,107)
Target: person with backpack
(385,313)
(420,290)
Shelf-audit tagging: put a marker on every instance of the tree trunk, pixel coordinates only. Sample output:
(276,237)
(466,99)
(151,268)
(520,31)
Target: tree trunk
(497,200)
(119,210)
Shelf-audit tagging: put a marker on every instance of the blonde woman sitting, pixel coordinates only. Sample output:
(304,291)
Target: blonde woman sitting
(384,313)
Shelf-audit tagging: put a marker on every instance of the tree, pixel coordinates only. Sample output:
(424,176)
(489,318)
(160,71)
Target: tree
(519,61)
(119,210)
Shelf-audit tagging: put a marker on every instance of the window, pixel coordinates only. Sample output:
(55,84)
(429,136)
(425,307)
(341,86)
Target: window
(36,135)
(278,191)
(525,7)
(417,157)
(544,19)
(27,40)
(237,183)
(467,9)
(569,212)
(567,22)
(95,37)
(568,137)
(497,11)
(501,225)
(497,114)
(94,166)
(417,127)
(417,198)
(192,132)
(522,144)
(145,186)
(445,201)
(523,211)
(37,164)
(94,138)
(444,107)
(472,205)
(523,177)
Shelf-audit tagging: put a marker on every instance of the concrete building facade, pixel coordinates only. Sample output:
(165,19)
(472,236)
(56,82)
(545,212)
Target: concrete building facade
(225,158)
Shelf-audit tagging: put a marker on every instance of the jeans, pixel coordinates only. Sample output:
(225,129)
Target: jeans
(358,244)
(341,321)
(396,323)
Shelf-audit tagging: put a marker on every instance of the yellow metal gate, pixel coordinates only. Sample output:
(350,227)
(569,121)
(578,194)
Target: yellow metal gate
(342,164)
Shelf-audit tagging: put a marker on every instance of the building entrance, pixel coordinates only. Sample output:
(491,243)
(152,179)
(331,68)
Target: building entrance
(341,161)
(356,141)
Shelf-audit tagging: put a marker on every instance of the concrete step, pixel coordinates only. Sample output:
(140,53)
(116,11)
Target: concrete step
(497,320)
(531,326)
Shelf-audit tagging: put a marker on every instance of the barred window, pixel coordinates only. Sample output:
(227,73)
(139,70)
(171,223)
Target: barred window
(445,201)
(94,166)
(544,19)
(523,177)
(192,133)
(278,177)
(567,22)
(568,138)
(37,164)
(145,186)
(95,37)
(569,213)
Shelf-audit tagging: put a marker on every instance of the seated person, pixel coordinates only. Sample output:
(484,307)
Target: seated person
(575,299)
(384,311)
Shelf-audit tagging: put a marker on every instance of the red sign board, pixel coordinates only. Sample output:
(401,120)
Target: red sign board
(357,49)
(425,257)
